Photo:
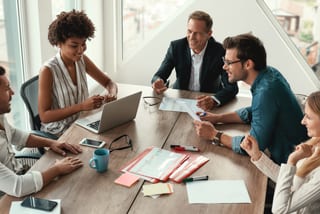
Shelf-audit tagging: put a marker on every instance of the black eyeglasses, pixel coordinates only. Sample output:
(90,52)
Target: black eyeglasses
(151,100)
(120,143)
(228,63)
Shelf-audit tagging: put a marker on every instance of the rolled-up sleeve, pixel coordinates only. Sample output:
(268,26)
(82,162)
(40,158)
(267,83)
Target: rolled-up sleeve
(16,137)
(245,115)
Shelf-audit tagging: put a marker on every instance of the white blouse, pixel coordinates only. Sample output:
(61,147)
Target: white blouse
(292,194)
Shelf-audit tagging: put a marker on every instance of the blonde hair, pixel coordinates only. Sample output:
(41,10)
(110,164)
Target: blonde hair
(313,101)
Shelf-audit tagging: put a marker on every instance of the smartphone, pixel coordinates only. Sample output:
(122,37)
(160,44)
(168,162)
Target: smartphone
(92,143)
(39,203)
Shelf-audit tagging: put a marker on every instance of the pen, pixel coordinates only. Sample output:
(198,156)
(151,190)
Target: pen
(199,178)
(202,114)
(185,148)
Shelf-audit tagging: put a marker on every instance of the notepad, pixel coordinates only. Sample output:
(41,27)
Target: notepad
(157,189)
(127,179)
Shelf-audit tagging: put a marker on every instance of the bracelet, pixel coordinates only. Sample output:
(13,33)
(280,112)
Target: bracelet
(217,138)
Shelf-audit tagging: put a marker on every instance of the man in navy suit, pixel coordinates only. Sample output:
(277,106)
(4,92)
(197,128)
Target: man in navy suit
(197,60)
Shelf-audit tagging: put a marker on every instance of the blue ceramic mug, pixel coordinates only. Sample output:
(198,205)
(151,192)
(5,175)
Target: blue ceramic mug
(100,160)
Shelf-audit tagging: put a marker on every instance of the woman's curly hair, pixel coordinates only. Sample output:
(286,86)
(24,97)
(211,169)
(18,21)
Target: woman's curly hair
(70,24)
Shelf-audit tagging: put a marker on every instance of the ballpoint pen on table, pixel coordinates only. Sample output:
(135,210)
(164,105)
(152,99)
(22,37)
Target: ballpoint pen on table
(202,114)
(199,178)
(185,148)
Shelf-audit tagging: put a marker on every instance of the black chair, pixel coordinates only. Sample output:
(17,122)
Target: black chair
(29,94)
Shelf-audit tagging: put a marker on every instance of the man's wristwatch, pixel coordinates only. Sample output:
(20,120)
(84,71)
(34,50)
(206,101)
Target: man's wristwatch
(217,138)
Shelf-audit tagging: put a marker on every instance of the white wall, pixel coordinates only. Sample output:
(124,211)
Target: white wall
(229,18)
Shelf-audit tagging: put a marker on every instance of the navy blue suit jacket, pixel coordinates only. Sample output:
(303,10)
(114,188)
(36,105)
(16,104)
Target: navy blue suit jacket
(213,79)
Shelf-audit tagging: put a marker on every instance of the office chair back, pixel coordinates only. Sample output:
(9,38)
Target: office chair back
(29,94)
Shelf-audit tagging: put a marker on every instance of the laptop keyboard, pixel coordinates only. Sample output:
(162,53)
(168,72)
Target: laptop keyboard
(94,125)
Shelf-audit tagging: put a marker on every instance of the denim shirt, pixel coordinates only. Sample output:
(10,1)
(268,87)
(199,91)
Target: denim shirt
(274,115)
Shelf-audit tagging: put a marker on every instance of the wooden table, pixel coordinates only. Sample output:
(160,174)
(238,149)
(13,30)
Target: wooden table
(86,191)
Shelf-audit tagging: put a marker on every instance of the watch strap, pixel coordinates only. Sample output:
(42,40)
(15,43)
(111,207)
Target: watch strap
(217,138)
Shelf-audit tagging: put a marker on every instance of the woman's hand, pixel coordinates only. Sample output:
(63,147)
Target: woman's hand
(91,103)
(112,91)
(301,151)
(309,163)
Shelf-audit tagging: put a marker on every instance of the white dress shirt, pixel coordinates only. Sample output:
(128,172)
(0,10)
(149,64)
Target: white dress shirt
(10,182)
(196,63)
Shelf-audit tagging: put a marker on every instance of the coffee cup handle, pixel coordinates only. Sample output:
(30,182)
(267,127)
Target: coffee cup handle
(93,163)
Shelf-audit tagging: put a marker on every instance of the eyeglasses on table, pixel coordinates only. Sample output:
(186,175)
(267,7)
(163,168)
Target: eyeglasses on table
(120,143)
(151,100)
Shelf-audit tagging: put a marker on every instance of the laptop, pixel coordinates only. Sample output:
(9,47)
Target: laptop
(113,114)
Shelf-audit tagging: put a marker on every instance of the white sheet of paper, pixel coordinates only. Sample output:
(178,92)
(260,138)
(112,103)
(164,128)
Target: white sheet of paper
(217,191)
(181,105)
(189,110)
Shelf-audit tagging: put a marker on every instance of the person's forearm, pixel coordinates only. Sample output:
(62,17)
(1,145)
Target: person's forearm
(226,140)
(49,174)
(231,117)
(36,141)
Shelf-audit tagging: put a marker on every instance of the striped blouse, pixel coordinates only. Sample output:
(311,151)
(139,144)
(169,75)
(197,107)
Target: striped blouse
(65,93)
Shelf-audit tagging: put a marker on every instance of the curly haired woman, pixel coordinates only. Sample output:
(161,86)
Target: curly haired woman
(63,88)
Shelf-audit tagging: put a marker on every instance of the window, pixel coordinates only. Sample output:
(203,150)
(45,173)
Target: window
(301,21)
(11,55)
(11,58)
(142,18)
(61,5)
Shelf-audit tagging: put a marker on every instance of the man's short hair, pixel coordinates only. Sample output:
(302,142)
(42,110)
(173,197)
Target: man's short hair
(248,47)
(202,16)
(2,70)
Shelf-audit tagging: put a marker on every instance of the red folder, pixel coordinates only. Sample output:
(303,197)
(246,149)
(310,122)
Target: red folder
(188,167)
(155,164)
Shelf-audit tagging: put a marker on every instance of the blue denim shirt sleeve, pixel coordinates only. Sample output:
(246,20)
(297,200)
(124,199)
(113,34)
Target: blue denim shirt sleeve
(245,115)
(263,115)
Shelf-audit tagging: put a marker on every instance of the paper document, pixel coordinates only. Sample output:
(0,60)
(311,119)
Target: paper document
(158,163)
(217,191)
(181,105)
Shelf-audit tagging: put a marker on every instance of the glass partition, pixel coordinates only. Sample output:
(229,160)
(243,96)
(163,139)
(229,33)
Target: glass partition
(301,21)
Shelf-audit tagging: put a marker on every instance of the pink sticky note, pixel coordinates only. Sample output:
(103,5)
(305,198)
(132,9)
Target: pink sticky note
(127,179)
